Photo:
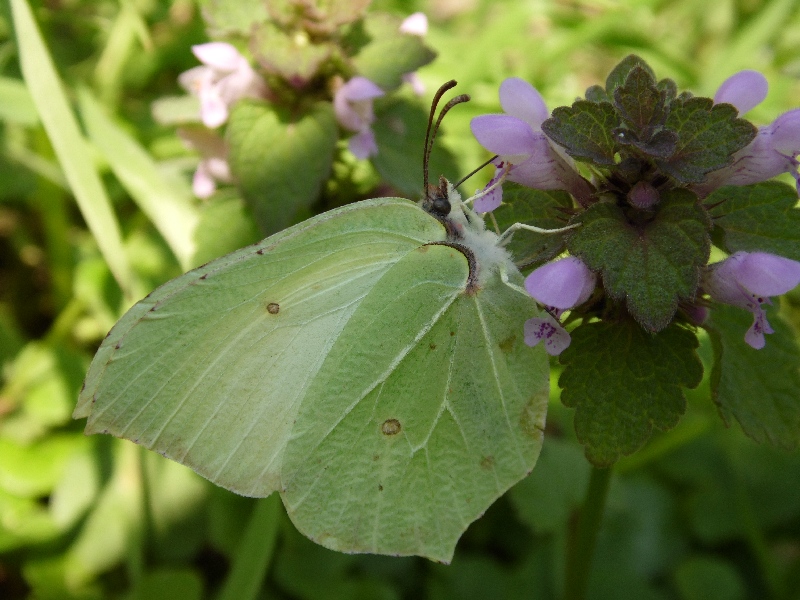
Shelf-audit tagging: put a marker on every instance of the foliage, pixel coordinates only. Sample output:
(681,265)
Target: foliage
(96,219)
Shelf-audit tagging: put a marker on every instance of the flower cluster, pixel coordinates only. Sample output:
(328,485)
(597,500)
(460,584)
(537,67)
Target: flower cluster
(640,177)
(298,60)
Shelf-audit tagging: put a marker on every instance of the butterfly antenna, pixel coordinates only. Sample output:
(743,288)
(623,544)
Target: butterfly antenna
(471,173)
(428,141)
(450,104)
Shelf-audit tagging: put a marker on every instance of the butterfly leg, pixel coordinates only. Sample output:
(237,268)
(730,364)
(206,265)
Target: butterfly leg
(506,236)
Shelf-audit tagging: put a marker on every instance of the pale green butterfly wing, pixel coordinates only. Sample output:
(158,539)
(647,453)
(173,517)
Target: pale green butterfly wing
(343,363)
(417,426)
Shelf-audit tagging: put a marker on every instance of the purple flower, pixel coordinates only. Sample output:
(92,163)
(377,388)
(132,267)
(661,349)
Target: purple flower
(224,78)
(517,137)
(556,339)
(213,166)
(773,151)
(352,104)
(746,280)
(745,90)
(491,196)
(561,284)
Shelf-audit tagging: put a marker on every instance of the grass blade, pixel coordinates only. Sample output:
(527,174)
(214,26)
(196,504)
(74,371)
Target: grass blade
(167,205)
(69,144)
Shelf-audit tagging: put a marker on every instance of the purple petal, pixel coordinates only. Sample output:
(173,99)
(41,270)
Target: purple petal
(504,135)
(546,169)
(767,274)
(562,283)
(415,82)
(785,132)
(213,110)
(520,99)
(415,24)
(363,145)
(755,334)
(556,339)
(493,199)
(203,184)
(195,79)
(360,88)
(744,90)
(218,55)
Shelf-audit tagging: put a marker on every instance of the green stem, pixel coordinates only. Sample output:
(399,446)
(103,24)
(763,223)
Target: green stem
(582,538)
(253,555)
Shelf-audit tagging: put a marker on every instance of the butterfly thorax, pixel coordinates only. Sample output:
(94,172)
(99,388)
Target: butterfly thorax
(466,231)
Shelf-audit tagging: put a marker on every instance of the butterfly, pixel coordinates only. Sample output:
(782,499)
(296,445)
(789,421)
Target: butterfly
(368,364)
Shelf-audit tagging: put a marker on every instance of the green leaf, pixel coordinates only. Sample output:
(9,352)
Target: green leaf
(586,130)
(280,160)
(168,584)
(231,17)
(168,204)
(708,578)
(652,265)
(760,217)
(408,53)
(400,134)
(619,74)
(623,382)
(16,104)
(758,388)
(548,496)
(225,225)
(288,54)
(597,93)
(708,135)
(69,144)
(639,102)
(548,209)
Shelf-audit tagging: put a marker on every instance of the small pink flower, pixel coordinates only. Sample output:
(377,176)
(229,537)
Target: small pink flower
(746,280)
(416,24)
(352,104)
(224,78)
(561,284)
(547,329)
(517,137)
(213,166)
(773,151)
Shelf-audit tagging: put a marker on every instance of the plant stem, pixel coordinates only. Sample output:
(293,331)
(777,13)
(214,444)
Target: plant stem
(254,553)
(582,538)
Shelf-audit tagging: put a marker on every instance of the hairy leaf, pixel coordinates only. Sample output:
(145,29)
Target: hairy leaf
(758,388)
(708,135)
(623,381)
(585,129)
(759,217)
(651,266)
(280,160)
(620,73)
(640,104)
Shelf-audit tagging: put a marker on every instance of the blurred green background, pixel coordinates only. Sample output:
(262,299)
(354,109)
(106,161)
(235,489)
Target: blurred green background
(701,512)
